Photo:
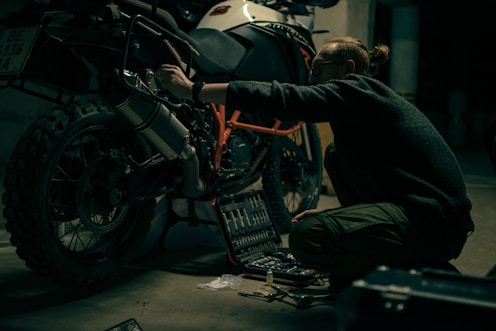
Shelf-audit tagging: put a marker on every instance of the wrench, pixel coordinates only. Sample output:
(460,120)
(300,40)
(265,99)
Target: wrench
(302,301)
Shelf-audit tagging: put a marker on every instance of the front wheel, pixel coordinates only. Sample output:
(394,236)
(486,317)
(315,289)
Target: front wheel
(293,177)
(65,209)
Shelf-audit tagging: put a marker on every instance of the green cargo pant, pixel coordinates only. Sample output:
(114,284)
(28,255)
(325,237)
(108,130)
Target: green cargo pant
(351,241)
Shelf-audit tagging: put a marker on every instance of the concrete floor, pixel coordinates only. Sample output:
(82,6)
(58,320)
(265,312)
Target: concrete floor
(162,293)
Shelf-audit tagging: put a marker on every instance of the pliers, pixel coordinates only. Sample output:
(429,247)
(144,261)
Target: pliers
(301,301)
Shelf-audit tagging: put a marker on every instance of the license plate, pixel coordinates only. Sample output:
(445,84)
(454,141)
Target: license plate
(15,48)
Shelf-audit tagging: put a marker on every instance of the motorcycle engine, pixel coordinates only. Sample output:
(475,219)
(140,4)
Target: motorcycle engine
(238,156)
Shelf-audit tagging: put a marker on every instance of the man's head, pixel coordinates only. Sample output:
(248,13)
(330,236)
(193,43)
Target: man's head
(342,56)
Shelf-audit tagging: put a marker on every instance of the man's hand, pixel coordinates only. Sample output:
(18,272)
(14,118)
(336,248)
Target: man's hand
(298,218)
(173,79)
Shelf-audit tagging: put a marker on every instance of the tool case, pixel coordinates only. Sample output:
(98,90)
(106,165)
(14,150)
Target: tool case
(426,299)
(253,240)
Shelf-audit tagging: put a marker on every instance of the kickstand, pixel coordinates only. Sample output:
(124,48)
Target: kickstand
(158,247)
(172,219)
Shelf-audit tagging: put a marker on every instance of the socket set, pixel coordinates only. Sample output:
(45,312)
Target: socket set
(253,240)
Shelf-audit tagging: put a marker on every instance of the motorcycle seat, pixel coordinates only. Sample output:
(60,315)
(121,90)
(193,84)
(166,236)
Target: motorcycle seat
(220,54)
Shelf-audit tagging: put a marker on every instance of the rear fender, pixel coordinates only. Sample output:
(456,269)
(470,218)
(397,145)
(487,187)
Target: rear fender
(60,68)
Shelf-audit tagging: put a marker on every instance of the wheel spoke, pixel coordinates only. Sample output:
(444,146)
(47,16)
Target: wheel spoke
(66,211)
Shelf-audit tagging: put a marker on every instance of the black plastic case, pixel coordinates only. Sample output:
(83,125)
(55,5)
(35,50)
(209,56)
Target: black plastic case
(428,299)
(254,242)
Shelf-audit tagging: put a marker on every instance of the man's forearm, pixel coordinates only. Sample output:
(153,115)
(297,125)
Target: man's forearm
(215,93)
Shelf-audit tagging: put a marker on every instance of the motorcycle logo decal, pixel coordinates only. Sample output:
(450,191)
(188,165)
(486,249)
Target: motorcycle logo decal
(291,33)
(221,10)
(307,57)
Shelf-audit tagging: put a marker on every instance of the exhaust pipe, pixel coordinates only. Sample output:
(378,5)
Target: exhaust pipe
(163,130)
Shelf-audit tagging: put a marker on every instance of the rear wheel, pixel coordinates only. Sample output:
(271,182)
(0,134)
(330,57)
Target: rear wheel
(293,177)
(63,204)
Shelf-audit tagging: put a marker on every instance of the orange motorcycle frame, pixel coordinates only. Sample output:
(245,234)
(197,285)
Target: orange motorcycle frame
(224,128)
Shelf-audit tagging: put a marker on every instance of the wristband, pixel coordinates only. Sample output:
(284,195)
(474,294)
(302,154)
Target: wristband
(197,86)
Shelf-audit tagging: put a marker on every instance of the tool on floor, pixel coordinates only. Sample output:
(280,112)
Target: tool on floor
(128,325)
(274,292)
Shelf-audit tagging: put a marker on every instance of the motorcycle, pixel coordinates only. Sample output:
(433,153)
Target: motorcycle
(83,180)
